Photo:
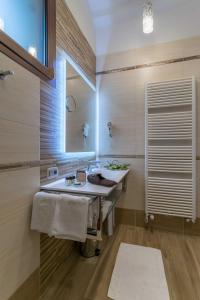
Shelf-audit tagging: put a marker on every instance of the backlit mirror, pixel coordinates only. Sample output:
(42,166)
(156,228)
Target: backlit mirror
(80,112)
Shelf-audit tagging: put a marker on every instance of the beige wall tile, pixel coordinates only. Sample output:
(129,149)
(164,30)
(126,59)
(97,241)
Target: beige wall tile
(122,103)
(193,69)
(19,247)
(133,198)
(140,120)
(18,142)
(159,73)
(191,46)
(150,54)
(19,114)
(19,94)
(117,105)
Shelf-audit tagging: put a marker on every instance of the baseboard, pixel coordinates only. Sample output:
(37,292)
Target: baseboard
(168,223)
(29,289)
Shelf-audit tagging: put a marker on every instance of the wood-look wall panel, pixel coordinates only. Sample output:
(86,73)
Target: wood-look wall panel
(71,39)
(22,116)
(50,116)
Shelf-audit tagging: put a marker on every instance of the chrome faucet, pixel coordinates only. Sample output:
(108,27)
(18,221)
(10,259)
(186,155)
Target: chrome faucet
(92,164)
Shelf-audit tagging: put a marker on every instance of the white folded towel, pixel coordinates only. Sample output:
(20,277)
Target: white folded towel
(70,219)
(61,215)
(44,206)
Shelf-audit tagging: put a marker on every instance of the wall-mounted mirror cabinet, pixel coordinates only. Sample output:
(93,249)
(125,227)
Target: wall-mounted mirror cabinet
(80,112)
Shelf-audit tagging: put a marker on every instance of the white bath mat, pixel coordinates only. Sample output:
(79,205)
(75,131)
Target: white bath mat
(138,275)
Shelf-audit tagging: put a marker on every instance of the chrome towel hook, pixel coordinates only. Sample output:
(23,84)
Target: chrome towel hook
(4,74)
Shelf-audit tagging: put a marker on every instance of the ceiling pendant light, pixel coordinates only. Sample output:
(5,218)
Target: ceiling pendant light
(148,17)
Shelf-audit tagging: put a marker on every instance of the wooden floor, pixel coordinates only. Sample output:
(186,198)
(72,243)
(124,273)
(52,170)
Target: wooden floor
(88,279)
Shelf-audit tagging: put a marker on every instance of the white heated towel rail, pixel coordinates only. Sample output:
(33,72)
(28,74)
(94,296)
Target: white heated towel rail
(170,146)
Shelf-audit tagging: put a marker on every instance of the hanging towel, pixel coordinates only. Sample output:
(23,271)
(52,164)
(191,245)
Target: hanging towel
(70,218)
(44,206)
(60,215)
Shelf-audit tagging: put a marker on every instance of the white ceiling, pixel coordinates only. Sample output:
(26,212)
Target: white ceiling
(118,23)
(132,8)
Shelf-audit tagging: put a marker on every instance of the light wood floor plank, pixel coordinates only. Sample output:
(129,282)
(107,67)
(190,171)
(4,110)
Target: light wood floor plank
(89,279)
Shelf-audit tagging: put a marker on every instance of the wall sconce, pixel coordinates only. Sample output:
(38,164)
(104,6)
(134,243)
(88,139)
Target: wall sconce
(85,130)
(110,126)
(2,24)
(32,51)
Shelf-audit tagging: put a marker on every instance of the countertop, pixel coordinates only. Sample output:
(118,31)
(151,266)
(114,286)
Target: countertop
(88,188)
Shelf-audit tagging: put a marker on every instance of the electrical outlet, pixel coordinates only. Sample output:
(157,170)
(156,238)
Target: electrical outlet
(52,172)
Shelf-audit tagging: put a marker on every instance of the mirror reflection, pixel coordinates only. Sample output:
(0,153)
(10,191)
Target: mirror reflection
(80,113)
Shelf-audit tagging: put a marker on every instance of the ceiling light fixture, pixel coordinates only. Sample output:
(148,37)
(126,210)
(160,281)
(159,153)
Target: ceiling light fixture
(32,51)
(2,24)
(148,17)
